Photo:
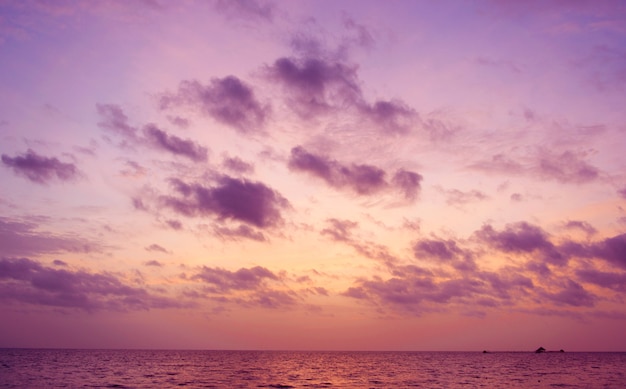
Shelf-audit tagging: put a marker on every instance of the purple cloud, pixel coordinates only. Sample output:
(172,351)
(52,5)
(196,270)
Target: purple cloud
(21,239)
(362,179)
(243,231)
(115,121)
(517,237)
(27,281)
(161,140)
(316,85)
(408,182)
(622,192)
(455,196)
(227,100)
(340,230)
(242,200)
(443,250)
(156,248)
(567,167)
(582,226)
(572,294)
(246,9)
(391,116)
(612,250)
(610,280)
(222,280)
(237,165)
(40,169)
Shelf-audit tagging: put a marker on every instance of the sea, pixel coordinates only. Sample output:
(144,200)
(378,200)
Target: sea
(52,368)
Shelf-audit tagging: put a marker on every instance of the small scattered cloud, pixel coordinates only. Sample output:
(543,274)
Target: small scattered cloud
(41,169)
(581,226)
(153,263)
(457,197)
(159,139)
(156,248)
(237,165)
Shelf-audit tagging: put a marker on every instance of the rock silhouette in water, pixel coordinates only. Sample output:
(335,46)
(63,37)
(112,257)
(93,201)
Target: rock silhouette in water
(540,350)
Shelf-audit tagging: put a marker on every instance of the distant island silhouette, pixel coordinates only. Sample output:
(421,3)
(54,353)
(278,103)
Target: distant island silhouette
(543,350)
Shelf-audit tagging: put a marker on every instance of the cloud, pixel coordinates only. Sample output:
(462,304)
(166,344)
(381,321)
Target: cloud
(243,231)
(25,281)
(443,250)
(115,121)
(159,139)
(390,116)
(40,169)
(610,280)
(237,199)
(315,85)
(566,167)
(340,230)
(156,248)
(246,9)
(361,179)
(408,182)
(457,197)
(22,239)
(521,237)
(572,294)
(228,100)
(612,250)
(237,165)
(582,226)
(154,263)
(246,286)
(622,192)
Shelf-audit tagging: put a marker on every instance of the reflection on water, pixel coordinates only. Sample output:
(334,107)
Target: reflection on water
(24,368)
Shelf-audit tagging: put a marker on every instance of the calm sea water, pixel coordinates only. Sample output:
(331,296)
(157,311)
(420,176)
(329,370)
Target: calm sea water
(32,368)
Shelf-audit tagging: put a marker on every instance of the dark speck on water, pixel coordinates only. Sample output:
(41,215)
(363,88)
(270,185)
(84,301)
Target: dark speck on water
(33,368)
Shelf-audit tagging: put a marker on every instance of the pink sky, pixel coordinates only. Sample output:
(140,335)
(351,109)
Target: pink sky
(355,175)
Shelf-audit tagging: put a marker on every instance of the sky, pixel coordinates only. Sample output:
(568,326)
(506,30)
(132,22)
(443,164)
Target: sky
(313,175)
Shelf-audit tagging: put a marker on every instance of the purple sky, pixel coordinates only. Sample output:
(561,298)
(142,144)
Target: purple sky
(360,175)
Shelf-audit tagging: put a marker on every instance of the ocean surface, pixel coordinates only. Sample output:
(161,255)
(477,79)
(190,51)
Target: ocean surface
(49,368)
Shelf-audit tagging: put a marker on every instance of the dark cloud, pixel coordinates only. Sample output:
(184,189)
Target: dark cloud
(23,239)
(315,85)
(159,139)
(40,169)
(516,237)
(362,179)
(227,100)
(25,281)
(236,199)
(154,263)
(572,293)
(612,250)
(254,10)
(622,192)
(610,280)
